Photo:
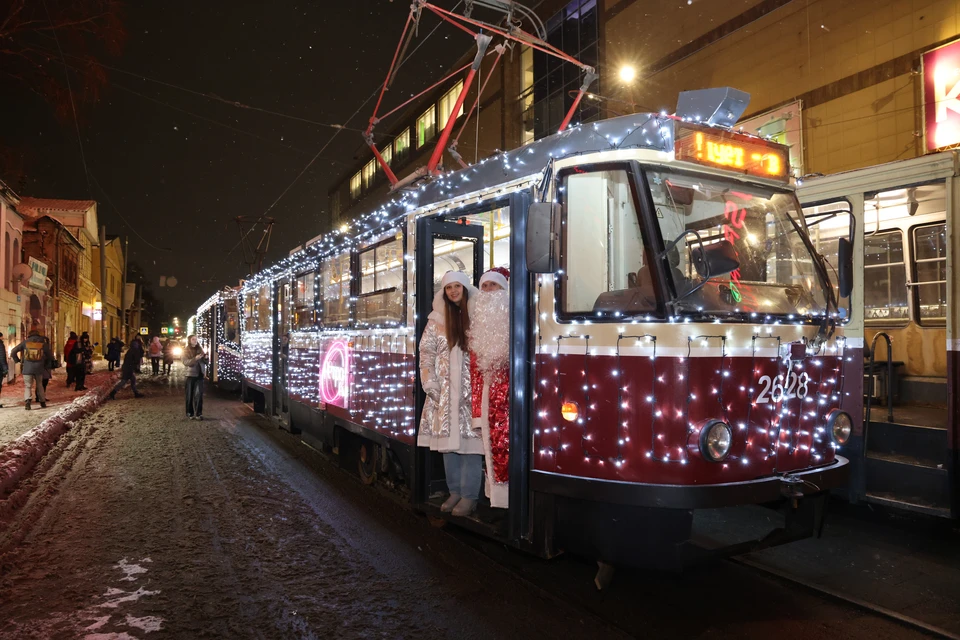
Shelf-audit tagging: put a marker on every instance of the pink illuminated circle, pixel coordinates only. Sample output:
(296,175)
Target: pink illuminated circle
(335,373)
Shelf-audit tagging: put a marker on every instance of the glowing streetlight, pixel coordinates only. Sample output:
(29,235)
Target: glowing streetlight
(628,73)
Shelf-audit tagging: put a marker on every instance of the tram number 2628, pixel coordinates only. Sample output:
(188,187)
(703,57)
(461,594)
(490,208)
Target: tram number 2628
(777,389)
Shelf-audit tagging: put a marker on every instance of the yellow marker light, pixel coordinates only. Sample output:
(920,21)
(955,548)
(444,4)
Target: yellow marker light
(570,411)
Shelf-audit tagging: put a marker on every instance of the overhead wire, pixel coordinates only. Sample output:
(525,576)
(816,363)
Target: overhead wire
(336,133)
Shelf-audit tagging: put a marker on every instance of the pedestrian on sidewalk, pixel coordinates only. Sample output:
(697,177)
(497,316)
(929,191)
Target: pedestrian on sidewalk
(156,354)
(4,367)
(195,360)
(168,356)
(35,351)
(80,355)
(138,344)
(47,368)
(67,350)
(113,353)
(128,372)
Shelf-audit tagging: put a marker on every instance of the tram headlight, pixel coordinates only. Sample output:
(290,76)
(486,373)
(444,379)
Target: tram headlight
(177,352)
(840,426)
(570,411)
(716,438)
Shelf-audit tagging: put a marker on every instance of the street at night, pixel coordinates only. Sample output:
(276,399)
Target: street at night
(480,319)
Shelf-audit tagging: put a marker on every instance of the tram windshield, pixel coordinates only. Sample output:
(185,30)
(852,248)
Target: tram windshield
(777,273)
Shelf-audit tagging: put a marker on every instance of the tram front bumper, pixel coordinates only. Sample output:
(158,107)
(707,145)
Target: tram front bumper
(795,485)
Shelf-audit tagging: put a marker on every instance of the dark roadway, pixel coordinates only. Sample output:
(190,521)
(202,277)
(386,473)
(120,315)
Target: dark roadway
(143,524)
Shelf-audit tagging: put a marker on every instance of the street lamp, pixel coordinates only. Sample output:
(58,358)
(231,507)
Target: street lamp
(627,73)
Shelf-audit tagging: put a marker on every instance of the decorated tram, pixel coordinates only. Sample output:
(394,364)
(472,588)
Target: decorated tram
(677,343)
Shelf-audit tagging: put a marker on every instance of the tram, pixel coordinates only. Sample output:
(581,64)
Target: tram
(677,342)
(903,449)
(217,327)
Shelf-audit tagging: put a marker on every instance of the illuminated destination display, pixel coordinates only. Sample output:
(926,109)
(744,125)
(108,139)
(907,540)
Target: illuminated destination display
(731,151)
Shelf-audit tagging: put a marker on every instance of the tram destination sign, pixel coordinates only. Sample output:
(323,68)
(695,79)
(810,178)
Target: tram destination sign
(736,152)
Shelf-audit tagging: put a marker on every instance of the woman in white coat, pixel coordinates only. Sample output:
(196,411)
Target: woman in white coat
(446,424)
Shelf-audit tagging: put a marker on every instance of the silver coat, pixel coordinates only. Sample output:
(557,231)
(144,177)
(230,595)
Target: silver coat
(436,422)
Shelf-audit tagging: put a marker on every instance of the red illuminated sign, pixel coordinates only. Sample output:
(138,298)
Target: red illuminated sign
(335,374)
(941,96)
(727,150)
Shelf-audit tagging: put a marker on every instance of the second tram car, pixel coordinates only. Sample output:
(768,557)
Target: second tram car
(903,321)
(676,340)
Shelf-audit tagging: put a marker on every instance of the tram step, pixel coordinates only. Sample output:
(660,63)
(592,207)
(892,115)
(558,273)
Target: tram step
(907,479)
(920,442)
(907,504)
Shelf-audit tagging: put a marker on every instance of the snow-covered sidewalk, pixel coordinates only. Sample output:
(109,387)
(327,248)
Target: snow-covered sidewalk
(15,421)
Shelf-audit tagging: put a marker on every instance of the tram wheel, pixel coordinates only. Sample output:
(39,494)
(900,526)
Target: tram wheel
(368,462)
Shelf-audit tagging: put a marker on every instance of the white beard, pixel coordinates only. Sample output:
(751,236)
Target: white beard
(490,330)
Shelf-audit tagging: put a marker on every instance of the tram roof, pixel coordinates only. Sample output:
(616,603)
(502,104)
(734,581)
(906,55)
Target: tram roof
(635,131)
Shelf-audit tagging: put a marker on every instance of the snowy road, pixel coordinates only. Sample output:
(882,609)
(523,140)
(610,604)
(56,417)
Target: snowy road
(149,525)
(142,524)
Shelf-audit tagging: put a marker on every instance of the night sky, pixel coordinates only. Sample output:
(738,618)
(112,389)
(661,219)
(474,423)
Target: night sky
(181,178)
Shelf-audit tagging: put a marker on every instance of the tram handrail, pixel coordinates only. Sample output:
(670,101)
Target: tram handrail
(873,357)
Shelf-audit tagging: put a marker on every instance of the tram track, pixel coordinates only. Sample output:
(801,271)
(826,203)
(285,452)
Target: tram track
(907,621)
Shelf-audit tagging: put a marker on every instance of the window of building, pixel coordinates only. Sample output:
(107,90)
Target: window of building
(381,282)
(426,126)
(401,145)
(335,204)
(304,305)
(930,275)
(335,276)
(387,154)
(356,185)
(526,95)
(7,268)
(603,247)
(884,277)
(574,30)
(369,174)
(448,101)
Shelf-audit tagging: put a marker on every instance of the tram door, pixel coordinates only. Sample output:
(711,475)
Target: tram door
(442,245)
(281,394)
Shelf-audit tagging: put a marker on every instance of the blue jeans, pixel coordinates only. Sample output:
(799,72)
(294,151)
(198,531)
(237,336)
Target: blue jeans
(464,474)
(194,395)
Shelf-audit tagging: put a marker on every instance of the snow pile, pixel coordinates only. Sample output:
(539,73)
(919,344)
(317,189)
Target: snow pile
(21,455)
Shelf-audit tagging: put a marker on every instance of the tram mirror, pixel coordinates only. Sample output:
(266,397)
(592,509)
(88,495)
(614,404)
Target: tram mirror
(543,237)
(716,259)
(845,267)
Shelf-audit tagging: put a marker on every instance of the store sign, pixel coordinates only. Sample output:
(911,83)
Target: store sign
(941,96)
(38,275)
(335,374)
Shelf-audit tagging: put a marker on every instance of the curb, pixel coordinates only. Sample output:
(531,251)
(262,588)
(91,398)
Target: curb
(21,455)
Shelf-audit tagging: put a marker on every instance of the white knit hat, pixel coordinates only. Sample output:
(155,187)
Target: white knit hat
(494,276)
(455,276)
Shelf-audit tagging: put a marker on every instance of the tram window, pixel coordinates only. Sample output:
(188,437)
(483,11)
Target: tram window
(496,236)
(230,323)
(930,275)
(263,309)
(605,267)
(827,223)
(304,306)
(452,255)
(884,277)
(777,273)
(249,304)
(336,290)
(381,282)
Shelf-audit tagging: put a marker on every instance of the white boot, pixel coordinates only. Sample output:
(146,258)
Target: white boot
(465,507)
(450,503)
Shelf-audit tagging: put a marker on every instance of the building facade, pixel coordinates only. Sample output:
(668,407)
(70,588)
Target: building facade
(46,240)
(111,290)
(11,309)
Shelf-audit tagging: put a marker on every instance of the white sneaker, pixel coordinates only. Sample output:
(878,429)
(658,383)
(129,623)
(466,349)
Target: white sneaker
(450,503)
(465,507)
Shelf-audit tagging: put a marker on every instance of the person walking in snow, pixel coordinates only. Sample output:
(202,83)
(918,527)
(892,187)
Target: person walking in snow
(113,353)
(195,361)
(168,356)
(4,367)
(35,351)
(128,372)
(67,350)
(155,351)
(47,368)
